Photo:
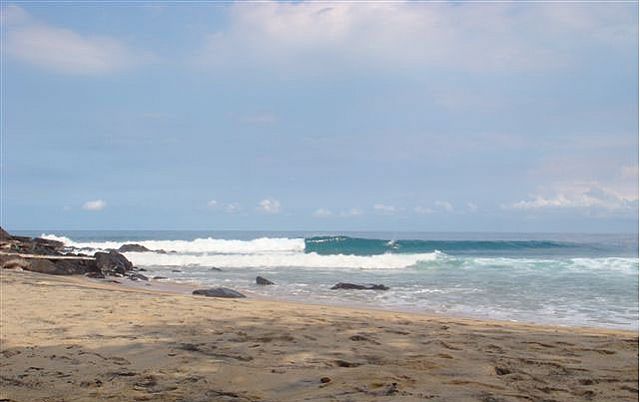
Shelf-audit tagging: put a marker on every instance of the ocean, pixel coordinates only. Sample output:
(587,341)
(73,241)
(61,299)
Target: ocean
(560,279)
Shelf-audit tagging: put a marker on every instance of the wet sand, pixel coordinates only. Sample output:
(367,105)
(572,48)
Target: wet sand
(71,339)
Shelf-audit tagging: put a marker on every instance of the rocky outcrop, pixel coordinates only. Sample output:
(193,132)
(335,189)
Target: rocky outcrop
(263,281)
(138,248)
(219,292)
(112,263)
(49,266)
(28,245)
(4,236)
(354,286)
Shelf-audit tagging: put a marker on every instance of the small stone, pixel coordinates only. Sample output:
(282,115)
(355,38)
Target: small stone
(325,380)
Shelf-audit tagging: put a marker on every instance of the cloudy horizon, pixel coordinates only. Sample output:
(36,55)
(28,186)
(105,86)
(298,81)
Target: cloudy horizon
(445,116)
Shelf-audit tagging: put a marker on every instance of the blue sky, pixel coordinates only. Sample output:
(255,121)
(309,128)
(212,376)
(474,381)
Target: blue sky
(321,116)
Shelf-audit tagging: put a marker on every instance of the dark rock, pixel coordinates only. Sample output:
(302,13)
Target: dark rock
(112,263)
(4,236)
(215,269)
(159,277)
(218,292)
(160,251)
(75,266)
(175,270)
(138,248)
(137,277)
(96,275)
(262,281)
(48,243)
(43,266)
(325,380)
(140,269)
(369,286)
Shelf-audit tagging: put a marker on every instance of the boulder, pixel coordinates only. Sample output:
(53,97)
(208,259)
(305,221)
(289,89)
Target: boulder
(96,275)
(138,248)
(369,286)
(216,269)
(218,292)
(263,281)
(112,263)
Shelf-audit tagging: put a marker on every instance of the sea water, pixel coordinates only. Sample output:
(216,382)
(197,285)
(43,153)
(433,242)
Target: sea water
(571,279)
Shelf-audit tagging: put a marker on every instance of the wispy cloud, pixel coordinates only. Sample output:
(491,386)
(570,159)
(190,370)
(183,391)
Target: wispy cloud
(94,205)
(588,197)
(63,50)
(384,209)
(420,210)
(233,208)
(269,206)
(261,119)
(461,36)
(322,213)
(444,205)
(472,207)
(351,213)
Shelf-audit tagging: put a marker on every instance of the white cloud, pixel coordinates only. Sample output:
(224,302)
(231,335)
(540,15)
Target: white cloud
(444,205)
(322,213)
(63,50)
(385,209)
(423,210)
(213,204)
(269,206)
(95,205)
(233,208)
(478,37)
(472,207)
(586,196)
(351,212)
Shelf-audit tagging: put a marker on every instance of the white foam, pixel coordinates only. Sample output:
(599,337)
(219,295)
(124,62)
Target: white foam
(282,259)
(204,245)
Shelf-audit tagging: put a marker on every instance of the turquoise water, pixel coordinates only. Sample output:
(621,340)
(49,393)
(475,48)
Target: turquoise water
(568,279)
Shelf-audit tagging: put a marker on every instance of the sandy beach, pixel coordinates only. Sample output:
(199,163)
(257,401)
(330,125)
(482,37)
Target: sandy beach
(72,339)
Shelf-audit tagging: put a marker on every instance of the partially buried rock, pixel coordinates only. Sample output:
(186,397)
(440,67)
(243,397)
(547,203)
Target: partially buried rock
(218,292)
(138,248)
(159,277)
(137,277)
(216,269)
(112,263)
(369,286)
(15,263)
(263,281)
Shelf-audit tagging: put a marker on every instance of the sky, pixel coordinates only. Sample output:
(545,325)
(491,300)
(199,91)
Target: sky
(400,116)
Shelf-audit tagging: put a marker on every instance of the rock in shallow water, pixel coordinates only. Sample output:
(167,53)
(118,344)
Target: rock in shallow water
(369,286)
(218,292)
(138,248)
(263,281)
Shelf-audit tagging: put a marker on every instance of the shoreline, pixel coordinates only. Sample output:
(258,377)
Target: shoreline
(64,336)
(185,288)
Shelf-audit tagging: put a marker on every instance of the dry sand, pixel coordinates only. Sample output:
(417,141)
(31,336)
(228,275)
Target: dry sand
(69,339)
